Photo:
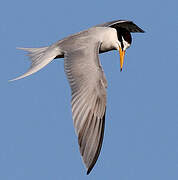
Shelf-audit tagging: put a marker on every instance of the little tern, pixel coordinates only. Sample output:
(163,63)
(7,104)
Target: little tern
(86,77)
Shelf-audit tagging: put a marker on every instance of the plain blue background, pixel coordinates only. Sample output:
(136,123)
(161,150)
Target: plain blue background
(37,138)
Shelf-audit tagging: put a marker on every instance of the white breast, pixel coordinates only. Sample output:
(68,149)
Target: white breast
(109,40)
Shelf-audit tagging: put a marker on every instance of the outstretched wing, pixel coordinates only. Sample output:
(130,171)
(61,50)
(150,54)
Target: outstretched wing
(129,25)
(88,85)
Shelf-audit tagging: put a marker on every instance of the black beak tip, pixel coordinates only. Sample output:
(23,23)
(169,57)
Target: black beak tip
(120,69)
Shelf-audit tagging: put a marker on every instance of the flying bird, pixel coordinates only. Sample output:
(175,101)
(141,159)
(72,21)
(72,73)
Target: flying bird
(86,77)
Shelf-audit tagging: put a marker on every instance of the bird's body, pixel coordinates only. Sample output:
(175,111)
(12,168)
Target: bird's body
(108,37)
(86,77)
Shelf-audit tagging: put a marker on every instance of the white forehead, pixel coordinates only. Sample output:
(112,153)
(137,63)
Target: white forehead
(125,43)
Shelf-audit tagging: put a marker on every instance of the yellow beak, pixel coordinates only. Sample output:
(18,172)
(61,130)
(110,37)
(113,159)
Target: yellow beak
(122,53)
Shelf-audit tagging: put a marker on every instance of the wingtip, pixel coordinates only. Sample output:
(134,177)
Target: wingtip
(88,171)
(140,30)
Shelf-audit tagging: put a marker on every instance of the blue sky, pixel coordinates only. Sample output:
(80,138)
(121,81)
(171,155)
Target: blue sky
(37,138)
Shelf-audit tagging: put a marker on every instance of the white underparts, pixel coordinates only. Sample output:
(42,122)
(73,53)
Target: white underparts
(109,40)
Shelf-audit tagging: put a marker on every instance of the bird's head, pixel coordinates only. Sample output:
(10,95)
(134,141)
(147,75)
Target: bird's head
(124,41)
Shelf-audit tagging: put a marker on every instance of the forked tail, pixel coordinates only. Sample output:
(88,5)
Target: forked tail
(39,57)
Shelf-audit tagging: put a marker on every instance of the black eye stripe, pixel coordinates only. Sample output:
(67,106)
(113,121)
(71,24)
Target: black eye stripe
(127,37)
(121,32)
(122,45)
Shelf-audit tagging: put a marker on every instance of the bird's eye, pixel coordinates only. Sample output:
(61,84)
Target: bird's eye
(127,37)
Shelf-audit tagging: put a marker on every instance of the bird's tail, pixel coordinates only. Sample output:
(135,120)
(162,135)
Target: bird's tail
(39,57)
